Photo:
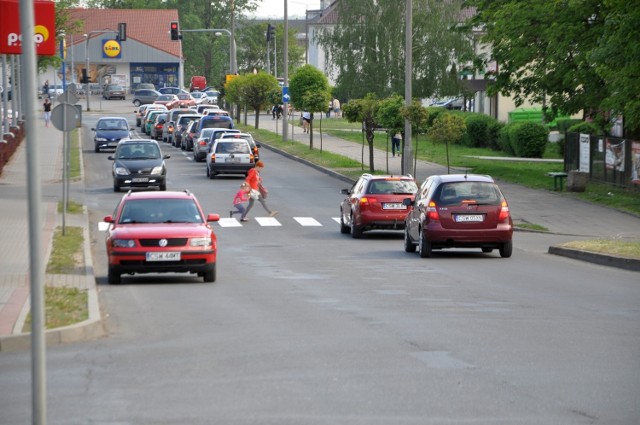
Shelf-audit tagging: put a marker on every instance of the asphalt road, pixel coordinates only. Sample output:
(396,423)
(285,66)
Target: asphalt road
(308,326)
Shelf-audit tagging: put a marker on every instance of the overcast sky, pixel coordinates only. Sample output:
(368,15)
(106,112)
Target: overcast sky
(275,8)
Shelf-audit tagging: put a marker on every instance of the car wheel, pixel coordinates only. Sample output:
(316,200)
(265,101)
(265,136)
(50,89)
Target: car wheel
(211,174)
(344,229)
(409,246)
(210,275)
(97,149)
(136,103)
(424,246)
(116,188)
(506,249)
(356,231)
(487,250)
(163,187)
(113,277)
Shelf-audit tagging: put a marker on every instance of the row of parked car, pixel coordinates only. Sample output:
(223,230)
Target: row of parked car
(165,95)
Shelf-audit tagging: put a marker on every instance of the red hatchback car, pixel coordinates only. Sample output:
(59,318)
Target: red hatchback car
(160,232)
(458,211)
(375,202)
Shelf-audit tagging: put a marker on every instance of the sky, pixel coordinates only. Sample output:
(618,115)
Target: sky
(275,8)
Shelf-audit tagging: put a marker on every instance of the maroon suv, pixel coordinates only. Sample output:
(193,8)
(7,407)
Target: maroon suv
(458,211)
(374,202)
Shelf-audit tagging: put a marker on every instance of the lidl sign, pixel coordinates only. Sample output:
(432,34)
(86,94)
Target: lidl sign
(44,30)
(111,49)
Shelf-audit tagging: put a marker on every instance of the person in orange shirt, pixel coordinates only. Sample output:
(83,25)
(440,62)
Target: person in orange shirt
(241,197)
(255,181)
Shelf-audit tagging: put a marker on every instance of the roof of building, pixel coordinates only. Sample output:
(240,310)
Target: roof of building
(147,26)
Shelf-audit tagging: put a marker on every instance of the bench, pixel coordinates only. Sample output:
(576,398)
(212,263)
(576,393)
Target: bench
(558,178)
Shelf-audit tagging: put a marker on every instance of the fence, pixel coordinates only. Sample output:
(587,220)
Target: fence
(610,160)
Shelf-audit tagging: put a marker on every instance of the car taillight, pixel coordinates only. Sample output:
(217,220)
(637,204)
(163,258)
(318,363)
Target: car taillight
(252,158)
(202,142)
(213,157)
(366,201)
(170,130)
(504,212)
(432,211)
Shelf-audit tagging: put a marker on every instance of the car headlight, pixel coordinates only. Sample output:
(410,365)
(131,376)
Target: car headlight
(122,171)
(157,170)
(201,242)
(100,139)
(123,243)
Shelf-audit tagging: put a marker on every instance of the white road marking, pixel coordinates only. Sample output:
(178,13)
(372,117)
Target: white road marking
(307,221)
(229,222)
(268,221)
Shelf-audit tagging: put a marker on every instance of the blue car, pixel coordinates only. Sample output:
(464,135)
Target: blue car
(109,131)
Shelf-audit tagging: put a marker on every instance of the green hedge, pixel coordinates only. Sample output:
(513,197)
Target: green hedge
(585,128)
(478,126)
(524,139)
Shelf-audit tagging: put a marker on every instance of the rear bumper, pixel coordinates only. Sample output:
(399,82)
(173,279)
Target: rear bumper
(440,237)
(230,168)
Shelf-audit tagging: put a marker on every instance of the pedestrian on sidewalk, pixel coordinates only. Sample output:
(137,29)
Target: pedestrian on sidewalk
(306,121)
(395,144)
(255,183)
(45,89)
(241,197)
(336,108)
(47,111)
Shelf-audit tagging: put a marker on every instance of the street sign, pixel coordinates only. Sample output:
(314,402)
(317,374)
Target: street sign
(68,97)
(65,117)
(285,94)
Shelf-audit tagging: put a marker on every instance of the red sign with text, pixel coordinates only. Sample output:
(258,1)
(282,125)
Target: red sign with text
(44,30)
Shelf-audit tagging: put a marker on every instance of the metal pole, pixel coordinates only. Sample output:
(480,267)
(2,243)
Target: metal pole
(14,92)
(38,371)
(285,71)
(407,153)
(73,68)
(86,55)
(5,94)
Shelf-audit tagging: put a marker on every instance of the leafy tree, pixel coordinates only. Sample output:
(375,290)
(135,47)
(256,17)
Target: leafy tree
(309,91)
(364,111)
(252,90)
(63,23)
(418,116)
(447,127)
(366,47)
(570,56)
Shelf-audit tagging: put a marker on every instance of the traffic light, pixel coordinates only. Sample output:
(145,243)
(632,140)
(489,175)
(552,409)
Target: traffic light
(175,31)
(271,32)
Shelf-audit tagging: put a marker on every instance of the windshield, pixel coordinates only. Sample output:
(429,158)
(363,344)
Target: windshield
(112,125)
(391,186)
(143,211)
(138,151)
(481,193)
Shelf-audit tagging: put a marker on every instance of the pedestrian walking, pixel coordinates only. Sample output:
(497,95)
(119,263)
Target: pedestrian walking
(336,108)
(47,111)
(257,191)
(241,197)
(306,121)
(45,89)
(395,144)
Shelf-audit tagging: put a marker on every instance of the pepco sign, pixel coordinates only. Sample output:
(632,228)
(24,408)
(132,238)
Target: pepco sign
(44,29)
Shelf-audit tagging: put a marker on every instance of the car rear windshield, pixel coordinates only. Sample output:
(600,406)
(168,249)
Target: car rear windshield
(233,147)
(142,211)
(392,186)
(220,123)
(456,193)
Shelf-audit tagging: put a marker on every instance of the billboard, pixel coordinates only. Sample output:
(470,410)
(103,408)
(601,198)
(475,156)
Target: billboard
(44,27)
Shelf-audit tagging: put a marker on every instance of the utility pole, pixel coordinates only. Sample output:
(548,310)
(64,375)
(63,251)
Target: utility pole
(407,153)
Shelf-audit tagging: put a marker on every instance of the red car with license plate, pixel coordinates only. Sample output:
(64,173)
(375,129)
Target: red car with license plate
(458,211)
(374,202)
(160,232)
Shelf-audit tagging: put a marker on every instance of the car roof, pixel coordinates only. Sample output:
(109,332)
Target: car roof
(388,176)
(130,141)
(168,194)
(446,178)
(112,118)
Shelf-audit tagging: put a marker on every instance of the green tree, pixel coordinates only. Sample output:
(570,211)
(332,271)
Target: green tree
(309,91)
(366,47)
(364,111)
(418,116)
(252,90)
(447,128)
(570,56)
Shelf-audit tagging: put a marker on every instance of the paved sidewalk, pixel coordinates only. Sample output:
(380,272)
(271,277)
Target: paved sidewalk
(14,244)
(561,213)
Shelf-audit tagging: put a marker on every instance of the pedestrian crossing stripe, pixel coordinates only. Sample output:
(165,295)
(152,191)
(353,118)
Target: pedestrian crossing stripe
(262,221)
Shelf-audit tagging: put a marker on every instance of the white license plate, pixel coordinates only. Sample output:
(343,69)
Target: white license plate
(140,179)
(233,160)
(163,256)
(393,206)
(462,218)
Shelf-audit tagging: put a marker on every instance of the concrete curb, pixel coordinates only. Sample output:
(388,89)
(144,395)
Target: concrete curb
(630,264)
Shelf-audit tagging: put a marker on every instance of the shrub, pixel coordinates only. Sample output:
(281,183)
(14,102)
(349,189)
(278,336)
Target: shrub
(477,134)
(564,124)
(434,112)
(504,139)
(493,134)
(447,128)
(528,139)
(586,128)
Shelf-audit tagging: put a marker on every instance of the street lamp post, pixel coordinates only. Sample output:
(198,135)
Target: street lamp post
(86,54)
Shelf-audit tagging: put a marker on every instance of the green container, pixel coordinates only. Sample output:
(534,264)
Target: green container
(531,115)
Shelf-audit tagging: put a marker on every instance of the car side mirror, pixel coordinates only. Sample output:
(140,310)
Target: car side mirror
(108,219)
(111,157)
(213,217)
(407,202)
(258,145)
(166,156)
(93,129)
(345,191)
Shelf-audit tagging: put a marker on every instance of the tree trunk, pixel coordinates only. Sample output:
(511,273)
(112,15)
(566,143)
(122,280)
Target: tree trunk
(257,117)
(370,136)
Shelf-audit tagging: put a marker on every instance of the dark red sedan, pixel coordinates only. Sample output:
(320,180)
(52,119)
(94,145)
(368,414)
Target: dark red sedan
(160,232)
